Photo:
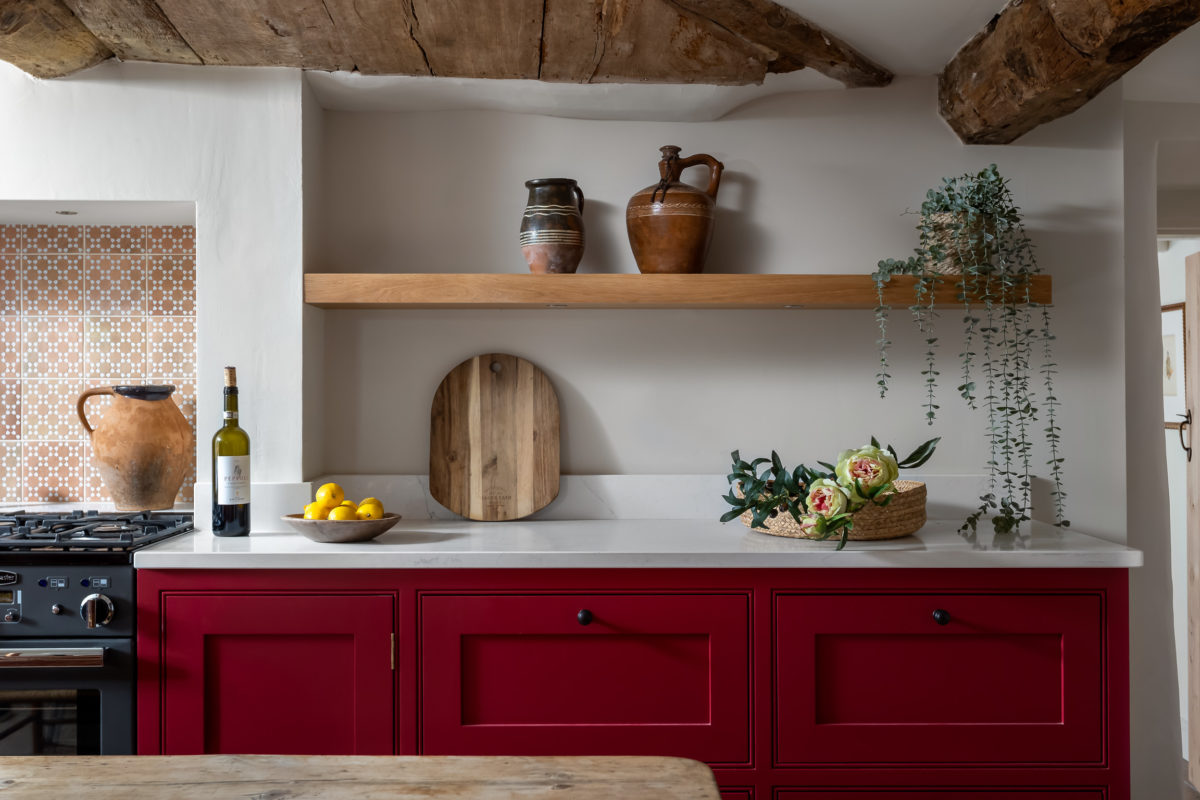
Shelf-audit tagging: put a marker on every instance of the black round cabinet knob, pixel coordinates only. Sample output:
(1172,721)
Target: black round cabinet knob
(584,616)
(941,616)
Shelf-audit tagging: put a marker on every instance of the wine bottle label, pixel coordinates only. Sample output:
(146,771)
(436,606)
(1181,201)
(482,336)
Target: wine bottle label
(230,415)
(233,480)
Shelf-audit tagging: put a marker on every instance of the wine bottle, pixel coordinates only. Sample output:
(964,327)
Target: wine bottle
(231,468)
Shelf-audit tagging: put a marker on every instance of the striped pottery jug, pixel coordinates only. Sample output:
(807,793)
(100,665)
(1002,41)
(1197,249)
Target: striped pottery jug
(552,227)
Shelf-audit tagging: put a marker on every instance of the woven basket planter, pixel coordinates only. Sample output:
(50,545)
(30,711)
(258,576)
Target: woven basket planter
(903,516)
(944,226)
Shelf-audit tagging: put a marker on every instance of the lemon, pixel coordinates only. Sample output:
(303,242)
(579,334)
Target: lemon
(342,513)
(370,511)
(366,501)
(330,495)
(349,504)
(315,511)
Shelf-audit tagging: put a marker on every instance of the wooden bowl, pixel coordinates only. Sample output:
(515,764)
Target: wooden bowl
(340,531)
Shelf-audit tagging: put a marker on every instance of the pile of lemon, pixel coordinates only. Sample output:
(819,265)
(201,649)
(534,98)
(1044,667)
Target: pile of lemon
(331,503)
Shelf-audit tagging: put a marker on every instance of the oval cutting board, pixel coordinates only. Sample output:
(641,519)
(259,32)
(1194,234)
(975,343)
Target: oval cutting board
(493,439)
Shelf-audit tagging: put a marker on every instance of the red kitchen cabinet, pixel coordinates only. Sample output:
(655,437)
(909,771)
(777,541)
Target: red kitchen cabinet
(940,794)
(289,674)
(940,679)
(795,684)
(663,674)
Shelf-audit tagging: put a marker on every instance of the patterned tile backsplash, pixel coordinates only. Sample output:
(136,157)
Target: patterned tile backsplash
(84,306)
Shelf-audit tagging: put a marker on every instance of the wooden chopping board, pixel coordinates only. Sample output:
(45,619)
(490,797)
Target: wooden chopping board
(493,439)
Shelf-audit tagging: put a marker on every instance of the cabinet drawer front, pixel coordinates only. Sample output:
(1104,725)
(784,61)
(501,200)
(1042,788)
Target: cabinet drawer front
(279,674)
(875,679)
(646,674)
(940,794)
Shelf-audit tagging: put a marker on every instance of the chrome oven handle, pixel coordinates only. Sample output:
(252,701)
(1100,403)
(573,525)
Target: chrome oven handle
(53,657)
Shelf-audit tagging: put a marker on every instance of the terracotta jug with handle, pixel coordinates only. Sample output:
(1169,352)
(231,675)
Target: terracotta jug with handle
(671,223)
(143,447)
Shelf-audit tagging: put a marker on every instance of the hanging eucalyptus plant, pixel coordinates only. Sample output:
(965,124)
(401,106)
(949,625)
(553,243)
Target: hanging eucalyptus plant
(971,234)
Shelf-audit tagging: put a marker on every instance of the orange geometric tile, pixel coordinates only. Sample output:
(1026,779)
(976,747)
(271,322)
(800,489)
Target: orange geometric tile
(10,347)
(53,472)
(94,490)
(10,410)
(116,239)
(10,285)
(52,285)
(53,347)
(116,346)
(10,473)
(10,238)
(116,284)
(48,410)
(53,239)
(171,284)
(171,345)
(171,239)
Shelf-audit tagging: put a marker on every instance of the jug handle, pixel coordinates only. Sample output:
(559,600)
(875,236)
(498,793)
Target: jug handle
(83,399)
(715,169)
(579,196)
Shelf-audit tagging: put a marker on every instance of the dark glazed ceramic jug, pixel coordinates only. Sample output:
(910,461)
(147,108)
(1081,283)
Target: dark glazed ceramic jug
(670,223)
(552,227)
(143,447)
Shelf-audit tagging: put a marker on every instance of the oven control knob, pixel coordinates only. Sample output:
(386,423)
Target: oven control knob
(12,615)
(96,610)
(57,609)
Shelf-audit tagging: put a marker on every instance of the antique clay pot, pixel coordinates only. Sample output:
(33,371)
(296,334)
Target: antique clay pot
(143,447)
(552,227)
(670,223)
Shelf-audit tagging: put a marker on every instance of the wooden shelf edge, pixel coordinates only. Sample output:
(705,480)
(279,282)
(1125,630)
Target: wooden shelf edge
(511,290)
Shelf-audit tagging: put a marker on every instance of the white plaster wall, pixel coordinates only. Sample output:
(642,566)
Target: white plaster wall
(1154,685)
(1171,290)
(227,139)
(814,183)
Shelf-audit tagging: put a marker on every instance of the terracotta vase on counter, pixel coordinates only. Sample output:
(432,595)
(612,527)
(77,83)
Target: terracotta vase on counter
(670,223)
(143,447)
(552,225)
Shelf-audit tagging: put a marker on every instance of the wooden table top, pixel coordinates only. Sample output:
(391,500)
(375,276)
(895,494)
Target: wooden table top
(261,777)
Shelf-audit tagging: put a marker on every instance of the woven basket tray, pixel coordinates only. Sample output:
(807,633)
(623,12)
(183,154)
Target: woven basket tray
(903,516)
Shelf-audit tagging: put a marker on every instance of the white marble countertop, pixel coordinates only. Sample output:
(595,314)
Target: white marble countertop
(440,544)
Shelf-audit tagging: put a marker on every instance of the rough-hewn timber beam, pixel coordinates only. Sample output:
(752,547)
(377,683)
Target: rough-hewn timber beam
(45,39)
(135,30)
(798,42)
(1039,60)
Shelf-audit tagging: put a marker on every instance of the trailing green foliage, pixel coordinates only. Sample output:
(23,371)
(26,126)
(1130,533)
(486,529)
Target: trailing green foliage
(971,226)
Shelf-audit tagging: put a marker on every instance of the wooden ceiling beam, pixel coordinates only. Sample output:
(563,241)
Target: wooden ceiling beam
(796,42)
(134,30)
(45,39)
(1039,60)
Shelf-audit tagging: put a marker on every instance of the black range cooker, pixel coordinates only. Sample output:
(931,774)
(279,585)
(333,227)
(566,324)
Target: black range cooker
(67,628)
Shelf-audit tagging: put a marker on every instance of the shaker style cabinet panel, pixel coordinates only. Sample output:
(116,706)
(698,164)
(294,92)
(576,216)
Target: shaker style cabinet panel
(886,679)
(580,674)
(940,794)
(287,674)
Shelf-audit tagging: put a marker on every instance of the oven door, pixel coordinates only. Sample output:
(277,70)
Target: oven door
(66,697)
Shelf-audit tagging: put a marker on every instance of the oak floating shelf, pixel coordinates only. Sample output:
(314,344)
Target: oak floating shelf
(515,290)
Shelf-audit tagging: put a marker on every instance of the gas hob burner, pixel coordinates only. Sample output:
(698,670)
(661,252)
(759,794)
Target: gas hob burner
(78,531)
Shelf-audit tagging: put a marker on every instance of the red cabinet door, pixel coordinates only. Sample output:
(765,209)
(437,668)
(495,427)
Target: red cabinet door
(941,794)
(286,674)
(651,674)
(875,679)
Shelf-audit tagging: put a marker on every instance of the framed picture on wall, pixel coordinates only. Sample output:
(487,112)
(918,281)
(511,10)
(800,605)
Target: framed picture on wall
(1174,387)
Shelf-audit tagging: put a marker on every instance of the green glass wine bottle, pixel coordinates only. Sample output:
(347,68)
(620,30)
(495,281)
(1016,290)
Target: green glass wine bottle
(231,468)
